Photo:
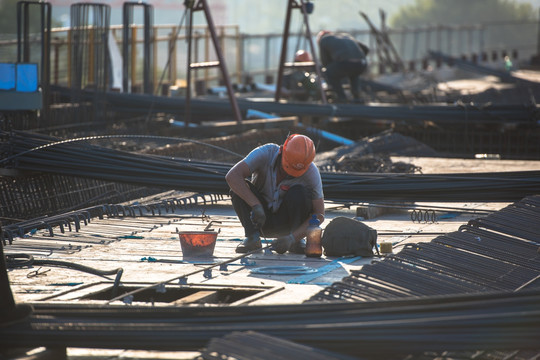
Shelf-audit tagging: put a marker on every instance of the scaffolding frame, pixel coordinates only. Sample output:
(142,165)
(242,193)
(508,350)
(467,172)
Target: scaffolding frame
(305,7)
(201,5)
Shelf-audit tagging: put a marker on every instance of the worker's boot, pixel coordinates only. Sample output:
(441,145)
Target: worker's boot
(250,243)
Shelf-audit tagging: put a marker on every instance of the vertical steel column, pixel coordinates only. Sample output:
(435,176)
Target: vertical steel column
(23,43)
(90,55)
(285,39)
(537,36)
(7,301)
(266,56)
(187,112)
(148,48)
(148,45)
(126,21)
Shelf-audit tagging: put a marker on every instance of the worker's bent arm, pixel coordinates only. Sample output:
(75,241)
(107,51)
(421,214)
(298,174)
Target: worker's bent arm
(236,178)
(318,209)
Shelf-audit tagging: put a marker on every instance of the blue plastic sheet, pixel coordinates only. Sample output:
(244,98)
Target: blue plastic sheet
(7,76)
(27,78)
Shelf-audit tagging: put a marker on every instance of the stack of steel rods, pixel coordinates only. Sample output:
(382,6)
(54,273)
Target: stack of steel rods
(219,108)
(476,268)
(495,320)
(519,219)
(32,152)
(82,160)
(470,260)
(444,187)
(493,245)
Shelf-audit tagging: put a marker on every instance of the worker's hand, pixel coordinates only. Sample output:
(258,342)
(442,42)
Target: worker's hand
(283,243)
(258,217)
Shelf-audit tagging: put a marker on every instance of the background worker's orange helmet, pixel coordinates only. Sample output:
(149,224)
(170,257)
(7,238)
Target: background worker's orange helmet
(321,34)
(297,154)
(302,56)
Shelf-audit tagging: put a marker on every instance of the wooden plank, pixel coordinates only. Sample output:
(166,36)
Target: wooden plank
(253,123)
(300,64)
(203,296)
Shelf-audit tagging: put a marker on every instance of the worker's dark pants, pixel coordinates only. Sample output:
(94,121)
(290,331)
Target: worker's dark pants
(337,71)
(294,210)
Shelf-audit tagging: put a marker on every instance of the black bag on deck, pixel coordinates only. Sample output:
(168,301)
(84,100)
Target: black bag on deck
(346,236)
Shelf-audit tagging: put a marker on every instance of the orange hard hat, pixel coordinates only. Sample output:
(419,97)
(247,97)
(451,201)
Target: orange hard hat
(298,153)
(321,34)
(302,56)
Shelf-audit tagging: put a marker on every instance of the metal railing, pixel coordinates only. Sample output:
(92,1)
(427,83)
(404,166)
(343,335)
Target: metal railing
(255,58)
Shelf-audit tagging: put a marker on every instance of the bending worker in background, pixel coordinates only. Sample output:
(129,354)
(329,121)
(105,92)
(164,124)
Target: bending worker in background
(283,191)
(344,58)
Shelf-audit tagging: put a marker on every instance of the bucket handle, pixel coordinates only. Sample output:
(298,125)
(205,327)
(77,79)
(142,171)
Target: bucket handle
(207,228)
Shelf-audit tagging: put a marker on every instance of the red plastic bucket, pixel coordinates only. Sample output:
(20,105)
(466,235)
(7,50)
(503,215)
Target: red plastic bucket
(198,243)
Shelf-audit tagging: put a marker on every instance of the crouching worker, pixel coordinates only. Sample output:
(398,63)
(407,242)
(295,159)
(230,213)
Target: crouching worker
(284,189)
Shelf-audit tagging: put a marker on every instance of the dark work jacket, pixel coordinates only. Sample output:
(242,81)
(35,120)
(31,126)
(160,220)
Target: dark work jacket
(339,47)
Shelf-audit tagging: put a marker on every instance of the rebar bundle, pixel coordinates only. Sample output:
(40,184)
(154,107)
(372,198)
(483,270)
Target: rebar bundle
(493,253)
(26,151)
(465,114)
(83,160)
(495,320)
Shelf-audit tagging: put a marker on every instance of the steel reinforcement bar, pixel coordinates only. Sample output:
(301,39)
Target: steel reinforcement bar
(29,152)
(526,115)
(492,320)
(482,256)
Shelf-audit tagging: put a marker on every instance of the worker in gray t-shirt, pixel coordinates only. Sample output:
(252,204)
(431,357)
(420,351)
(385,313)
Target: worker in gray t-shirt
(283,191)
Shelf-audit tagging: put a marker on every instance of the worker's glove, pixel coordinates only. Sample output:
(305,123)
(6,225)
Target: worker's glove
(283,243)
(258,217)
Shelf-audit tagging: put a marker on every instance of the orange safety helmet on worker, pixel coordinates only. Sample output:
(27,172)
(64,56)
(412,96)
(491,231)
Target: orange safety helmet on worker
(302,56)
(321,34)
(298,152)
